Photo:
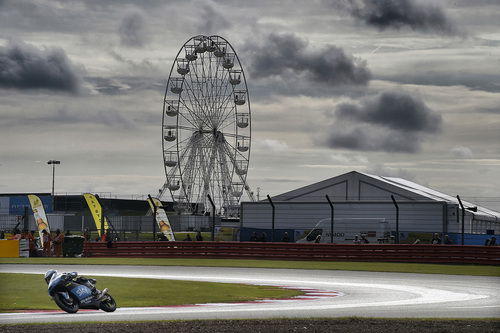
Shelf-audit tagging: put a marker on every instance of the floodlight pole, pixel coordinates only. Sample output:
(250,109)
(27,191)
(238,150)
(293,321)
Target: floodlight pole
(53,163)
(155,209)
(397,218)
(473,209)
(332,217)
(272,222)
(213,216)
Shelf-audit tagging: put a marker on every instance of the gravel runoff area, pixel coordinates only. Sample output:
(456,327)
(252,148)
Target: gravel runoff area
(277,325)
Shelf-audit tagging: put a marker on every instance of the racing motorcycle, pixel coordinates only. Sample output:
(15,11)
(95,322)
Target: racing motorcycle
(72,294)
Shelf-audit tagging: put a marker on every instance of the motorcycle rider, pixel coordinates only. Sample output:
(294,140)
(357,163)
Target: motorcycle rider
(90,283)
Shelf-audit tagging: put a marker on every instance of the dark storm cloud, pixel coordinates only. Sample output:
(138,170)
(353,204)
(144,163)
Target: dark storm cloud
(285,54)
(397,14)
(210,19)
(475,80)
(23,66)
(396,110)
(132,30)
(392,121)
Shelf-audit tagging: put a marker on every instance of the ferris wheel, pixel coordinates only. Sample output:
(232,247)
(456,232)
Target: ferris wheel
(206,128)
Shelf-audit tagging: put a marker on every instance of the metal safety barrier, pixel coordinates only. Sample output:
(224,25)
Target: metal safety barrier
(456,254)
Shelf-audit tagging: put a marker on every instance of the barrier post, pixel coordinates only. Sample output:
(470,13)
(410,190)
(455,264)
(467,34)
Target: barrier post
(332,217)
(272,223)
(155,209)
(397,218)
(213,216)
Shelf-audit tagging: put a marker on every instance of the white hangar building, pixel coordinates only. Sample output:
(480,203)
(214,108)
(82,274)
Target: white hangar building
(359,197)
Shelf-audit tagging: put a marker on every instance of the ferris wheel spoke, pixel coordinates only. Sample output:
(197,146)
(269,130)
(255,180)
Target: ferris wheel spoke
(194,116)
(223,121)
(222,92)
(201,96)
(195,105)
(223,106)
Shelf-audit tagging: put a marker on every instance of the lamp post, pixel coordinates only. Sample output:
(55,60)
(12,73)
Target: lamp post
(53,163)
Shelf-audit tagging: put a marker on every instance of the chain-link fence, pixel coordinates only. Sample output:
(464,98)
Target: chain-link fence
(131,228)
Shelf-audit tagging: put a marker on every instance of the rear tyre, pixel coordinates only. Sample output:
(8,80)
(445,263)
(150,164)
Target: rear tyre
(108,304)
(70,306)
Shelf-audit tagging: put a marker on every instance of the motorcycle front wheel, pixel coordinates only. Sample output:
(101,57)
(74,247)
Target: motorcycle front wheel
(108,304)
(70,306)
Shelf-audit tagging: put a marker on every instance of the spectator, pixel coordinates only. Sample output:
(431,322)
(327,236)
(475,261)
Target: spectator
(188,238)
(285,238)
(356,240)
(318,239)
(447,240)
(162,237)
(47,239)
(263,237)
(254,237)
(86,235)
(363,239)
(108,238)
(16,233)
(58,242)
(2,234)
(493,241)
(435,239)
(199,237)
(31,241)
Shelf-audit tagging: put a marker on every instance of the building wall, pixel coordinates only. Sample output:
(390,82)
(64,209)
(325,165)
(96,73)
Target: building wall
(413,216)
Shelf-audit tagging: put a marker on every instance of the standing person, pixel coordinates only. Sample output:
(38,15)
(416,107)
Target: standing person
(363,239)
(447,240)
(31,242)
(58,243)
(47,239)
(435,239)
(285,238)
(318,239)
(263,237)
(254,237)
(356,240)
(493,241)
(199,237)
(188,238)
(86,235)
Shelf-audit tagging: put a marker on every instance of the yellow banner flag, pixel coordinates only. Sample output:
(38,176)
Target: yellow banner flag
(39,214)
(161,218)
(96,211)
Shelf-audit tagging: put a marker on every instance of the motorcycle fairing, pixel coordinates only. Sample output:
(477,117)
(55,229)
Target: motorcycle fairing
(80,291)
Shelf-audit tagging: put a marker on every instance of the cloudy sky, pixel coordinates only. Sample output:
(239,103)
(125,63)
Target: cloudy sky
(405,88)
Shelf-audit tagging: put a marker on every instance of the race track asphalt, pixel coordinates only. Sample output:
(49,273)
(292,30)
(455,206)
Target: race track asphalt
(329,294)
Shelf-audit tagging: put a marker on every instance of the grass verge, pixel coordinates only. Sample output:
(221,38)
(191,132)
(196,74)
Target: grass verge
(477,270)
(29,291)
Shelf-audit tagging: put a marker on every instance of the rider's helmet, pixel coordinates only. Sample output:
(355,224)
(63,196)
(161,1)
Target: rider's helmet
(50,273)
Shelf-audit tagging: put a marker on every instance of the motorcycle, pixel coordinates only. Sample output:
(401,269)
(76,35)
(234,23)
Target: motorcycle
(70,295)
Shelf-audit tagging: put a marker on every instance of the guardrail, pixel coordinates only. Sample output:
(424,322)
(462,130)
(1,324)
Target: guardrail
(290,251)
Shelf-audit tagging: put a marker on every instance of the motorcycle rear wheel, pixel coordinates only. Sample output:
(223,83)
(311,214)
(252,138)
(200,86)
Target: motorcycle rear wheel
(108,304)
(69,307)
